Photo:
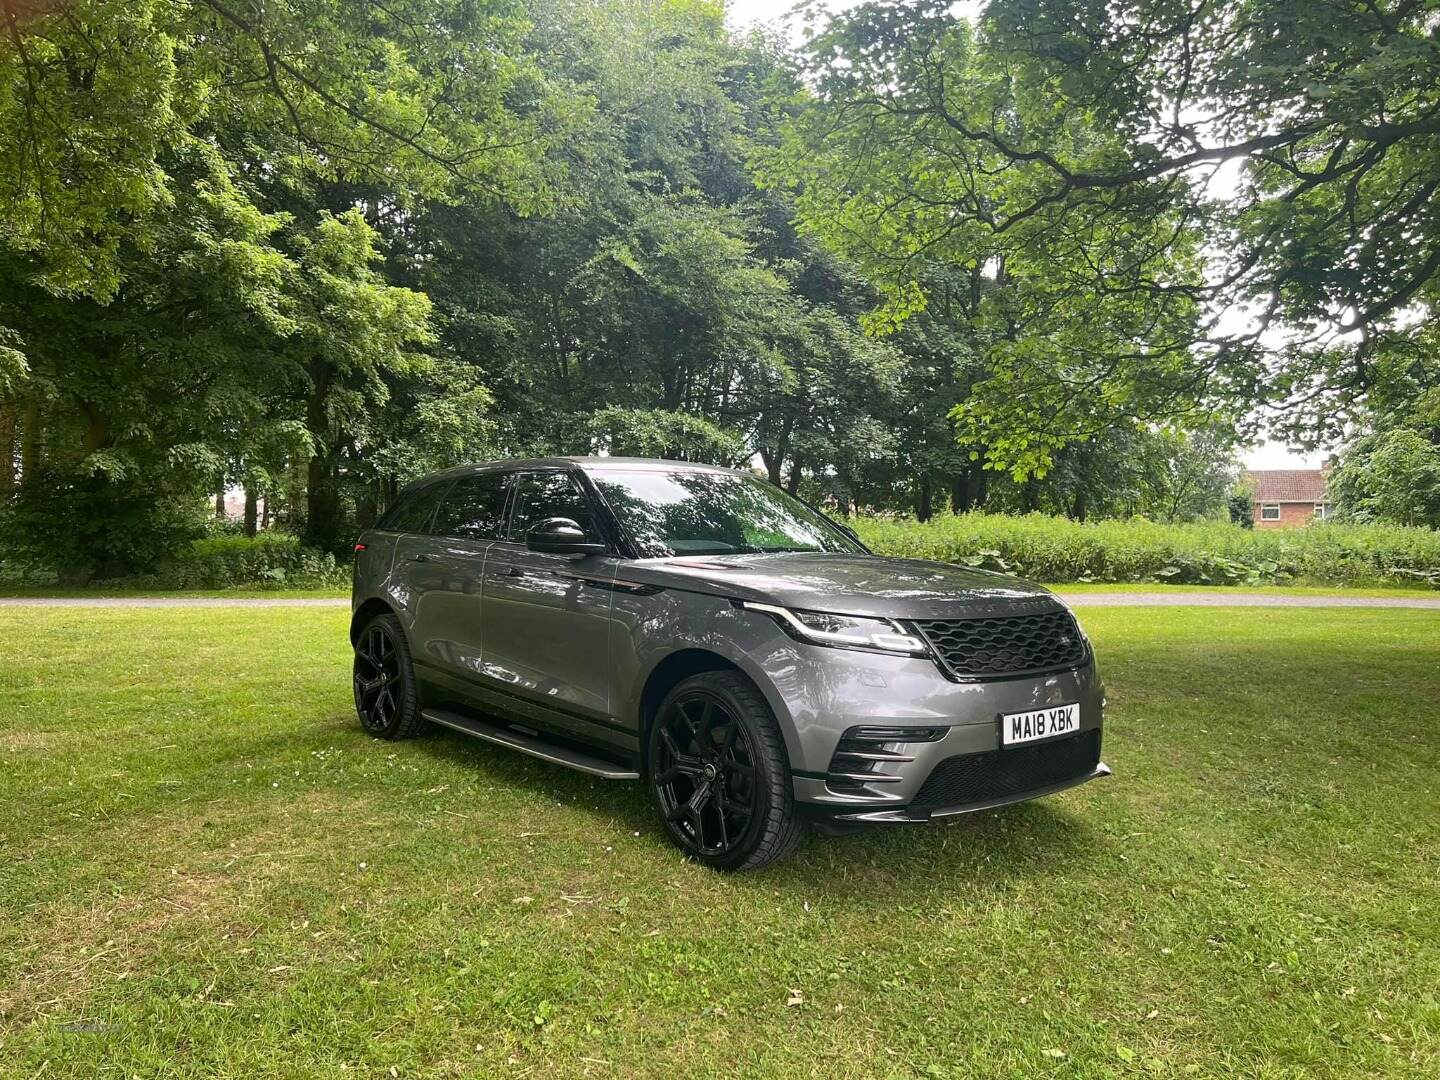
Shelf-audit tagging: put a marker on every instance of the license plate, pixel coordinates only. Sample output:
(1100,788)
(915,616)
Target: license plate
(1023,727)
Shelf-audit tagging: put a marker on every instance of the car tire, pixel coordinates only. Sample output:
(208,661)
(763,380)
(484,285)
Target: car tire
(718,773)
(384,681)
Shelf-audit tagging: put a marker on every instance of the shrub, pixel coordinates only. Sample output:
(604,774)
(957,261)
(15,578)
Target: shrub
(1058,550)
(269,560)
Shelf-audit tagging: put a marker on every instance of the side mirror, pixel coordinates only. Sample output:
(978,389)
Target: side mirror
(561,536)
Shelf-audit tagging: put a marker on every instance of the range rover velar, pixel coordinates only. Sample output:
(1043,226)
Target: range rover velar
(706,632)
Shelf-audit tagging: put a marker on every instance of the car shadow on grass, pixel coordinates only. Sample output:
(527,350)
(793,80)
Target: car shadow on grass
(970,855)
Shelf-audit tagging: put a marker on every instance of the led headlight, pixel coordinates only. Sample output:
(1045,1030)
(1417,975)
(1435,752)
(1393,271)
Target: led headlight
(844,631)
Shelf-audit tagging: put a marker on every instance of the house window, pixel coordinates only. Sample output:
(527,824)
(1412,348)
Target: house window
(1322,511)
(1270,512)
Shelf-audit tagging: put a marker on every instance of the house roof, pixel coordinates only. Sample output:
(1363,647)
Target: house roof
(1288,485)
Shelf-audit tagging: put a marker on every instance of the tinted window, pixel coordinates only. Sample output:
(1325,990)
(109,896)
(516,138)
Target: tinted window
(475,507)
(412,513)
(690,512)
(546,495)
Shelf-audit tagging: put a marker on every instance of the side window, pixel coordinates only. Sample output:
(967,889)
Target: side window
(475,507)
(412,513)
(542,495)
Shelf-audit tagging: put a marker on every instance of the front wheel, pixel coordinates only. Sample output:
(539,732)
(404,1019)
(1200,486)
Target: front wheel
(718,773)
(384,680)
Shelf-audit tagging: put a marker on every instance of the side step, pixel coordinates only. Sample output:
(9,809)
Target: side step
(532,745)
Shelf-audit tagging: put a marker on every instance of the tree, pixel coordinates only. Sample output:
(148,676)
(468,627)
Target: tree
(1071,145)
(1391,476)
(189,293)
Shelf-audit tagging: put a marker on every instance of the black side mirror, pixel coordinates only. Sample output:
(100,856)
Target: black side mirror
(561,536)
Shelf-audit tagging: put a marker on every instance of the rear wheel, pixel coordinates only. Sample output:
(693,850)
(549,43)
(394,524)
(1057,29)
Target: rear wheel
(718,773)
(384,680)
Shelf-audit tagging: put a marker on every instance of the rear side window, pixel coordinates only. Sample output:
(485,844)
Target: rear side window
(542,495)
(475,507)
(412,513)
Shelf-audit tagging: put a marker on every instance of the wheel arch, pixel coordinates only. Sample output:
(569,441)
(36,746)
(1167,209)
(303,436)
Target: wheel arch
(669,673)
(681,664)
(364,613)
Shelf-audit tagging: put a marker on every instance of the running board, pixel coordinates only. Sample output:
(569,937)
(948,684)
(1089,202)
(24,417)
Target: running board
(532,745)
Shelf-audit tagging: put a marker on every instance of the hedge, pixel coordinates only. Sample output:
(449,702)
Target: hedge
(1058,550)
(269,560)
(272,560)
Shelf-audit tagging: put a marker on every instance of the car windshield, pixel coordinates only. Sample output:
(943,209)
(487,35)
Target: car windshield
(689,512)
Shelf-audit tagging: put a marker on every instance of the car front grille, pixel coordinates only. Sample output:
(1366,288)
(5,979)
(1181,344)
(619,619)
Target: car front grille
(1006,646)
(1001,774)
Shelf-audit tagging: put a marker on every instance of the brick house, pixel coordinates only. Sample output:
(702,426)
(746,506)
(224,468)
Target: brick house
(1287,498)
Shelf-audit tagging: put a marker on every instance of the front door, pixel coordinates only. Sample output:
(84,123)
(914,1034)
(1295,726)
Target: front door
(546,616)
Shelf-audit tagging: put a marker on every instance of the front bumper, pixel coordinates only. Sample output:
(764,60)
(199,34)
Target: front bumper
(922,814)
(867,691)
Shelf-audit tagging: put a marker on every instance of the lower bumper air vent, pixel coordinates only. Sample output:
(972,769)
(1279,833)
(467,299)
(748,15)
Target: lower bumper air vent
(1001,774)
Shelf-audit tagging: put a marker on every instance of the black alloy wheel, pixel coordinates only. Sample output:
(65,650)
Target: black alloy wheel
(384,680)
(718,773)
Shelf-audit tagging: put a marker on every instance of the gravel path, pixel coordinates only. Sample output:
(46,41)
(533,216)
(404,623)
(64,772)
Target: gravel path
(174,601)
(1081,599)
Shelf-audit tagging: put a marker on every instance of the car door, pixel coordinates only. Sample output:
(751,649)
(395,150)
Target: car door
(546,616)
(445,574)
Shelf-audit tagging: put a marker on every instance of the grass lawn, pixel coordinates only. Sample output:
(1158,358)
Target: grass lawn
(206,869)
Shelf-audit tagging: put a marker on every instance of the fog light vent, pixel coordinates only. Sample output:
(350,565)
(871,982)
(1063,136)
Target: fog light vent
(863,754)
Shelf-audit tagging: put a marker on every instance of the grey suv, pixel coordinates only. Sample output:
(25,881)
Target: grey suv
(704,630)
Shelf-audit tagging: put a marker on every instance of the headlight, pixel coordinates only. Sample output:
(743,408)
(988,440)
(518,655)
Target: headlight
(844,631)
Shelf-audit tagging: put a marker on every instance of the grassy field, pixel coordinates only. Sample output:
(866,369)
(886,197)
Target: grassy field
(206,869)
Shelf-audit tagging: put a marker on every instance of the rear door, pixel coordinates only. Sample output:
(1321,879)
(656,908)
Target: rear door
(398,535)
(445,573)
(546,616)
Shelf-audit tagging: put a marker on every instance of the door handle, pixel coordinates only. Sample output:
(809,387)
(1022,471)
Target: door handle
(422,557)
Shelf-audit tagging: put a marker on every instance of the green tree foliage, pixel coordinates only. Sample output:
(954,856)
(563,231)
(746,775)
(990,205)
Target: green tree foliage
(315,249)
(188,285)
(1391,476)
(1073,146)
(102,96)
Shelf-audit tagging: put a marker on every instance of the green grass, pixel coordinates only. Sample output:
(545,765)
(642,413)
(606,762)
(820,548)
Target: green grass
(207,870)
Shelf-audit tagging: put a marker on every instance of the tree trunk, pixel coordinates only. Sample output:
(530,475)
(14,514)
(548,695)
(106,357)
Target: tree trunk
(220,501)
(367,512)
(97,428)
(960,497)
(30,440)
(7,450)
(252,509)
(925,507)
(1029,496)
(322,504)
(1078,505)
(265,514)
(793,484)
(322,495)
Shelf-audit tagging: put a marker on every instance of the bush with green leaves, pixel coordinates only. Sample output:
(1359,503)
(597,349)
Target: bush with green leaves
(1059,550)
(269,560)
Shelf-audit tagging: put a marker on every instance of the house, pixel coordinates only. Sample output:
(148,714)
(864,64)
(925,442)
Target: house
(1287,498)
